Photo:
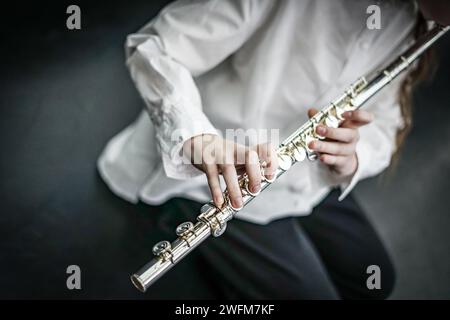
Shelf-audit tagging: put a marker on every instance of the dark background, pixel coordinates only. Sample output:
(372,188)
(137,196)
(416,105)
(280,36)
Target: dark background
(64,94)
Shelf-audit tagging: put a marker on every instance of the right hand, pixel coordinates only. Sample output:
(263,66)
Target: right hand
(214,155)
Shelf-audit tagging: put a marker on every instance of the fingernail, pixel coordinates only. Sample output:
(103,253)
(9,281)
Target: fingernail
(348,114)
(255,188)
(321,130)
(237,203)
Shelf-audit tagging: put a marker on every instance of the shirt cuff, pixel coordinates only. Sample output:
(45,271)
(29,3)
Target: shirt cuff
(176,165)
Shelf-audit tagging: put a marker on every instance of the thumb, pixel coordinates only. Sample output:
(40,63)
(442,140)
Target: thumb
(312,112)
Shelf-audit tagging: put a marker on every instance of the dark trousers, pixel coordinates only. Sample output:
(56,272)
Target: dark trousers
(322,256)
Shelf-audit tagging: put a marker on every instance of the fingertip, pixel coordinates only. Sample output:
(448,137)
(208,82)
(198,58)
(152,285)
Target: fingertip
(237,202)
(322,130)
(312,112)
(270,170)
(255,188)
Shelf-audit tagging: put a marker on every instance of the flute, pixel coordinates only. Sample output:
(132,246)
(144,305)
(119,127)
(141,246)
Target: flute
(213,220)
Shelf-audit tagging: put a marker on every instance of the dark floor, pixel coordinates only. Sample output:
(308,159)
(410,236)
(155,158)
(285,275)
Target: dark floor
(65,94)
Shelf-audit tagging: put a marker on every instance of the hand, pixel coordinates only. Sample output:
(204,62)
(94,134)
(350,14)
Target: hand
(214,155)
(338,150)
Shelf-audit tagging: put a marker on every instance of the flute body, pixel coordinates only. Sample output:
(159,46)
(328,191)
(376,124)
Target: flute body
(213,220)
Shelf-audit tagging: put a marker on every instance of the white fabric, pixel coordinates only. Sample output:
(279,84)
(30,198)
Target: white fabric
(207,66)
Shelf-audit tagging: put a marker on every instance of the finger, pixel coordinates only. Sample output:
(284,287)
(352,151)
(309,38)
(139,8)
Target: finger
(253,171)
(267,153)
(333,148)
(205,150)
(234,191)
(339,134)
(240,154)
(312,112)
(359,116)
(332,160)
(212,173)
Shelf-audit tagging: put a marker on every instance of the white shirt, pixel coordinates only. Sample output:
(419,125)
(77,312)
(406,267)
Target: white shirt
(207,66)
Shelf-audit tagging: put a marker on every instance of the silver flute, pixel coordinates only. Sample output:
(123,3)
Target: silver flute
(213,220)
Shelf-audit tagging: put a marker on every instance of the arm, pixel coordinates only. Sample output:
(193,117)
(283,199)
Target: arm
(186,39)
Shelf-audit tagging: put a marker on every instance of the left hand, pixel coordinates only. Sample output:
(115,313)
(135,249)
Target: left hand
(338,150)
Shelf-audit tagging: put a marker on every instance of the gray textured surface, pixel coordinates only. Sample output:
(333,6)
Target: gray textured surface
(410,206)
(64,94)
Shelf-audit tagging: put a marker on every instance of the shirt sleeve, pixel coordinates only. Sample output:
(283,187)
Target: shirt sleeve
(187,39)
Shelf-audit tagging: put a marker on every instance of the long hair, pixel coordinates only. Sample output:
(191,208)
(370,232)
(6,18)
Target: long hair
(424,69)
